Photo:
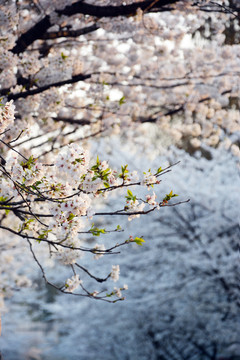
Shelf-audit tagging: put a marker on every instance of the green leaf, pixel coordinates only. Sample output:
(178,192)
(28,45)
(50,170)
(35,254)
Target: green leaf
(96,231)
(28,164)
(122,100)
(139,241)
(98,161)
(64,57)
(44,234)
(169,196)
(109,295)
(25,225)
(105,173)
(130,193)
(123,174)
(71,216)
(130,196)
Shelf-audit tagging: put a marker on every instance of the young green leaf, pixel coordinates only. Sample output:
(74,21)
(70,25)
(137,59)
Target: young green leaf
(169,196)
(122,100)
(139,241)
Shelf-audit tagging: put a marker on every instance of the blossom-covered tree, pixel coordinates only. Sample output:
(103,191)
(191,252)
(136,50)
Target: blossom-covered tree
(78,69)
(72,71)
(101,66)
(54,203)
(50,197)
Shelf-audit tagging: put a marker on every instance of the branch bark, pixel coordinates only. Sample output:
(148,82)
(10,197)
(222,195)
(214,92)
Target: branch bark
(70,33)
(24,94)
(38,30)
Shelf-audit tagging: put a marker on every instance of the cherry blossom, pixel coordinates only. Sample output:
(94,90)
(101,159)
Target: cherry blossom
(73,283)
(173,66)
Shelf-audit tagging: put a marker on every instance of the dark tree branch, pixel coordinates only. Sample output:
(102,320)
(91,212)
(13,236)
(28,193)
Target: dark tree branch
(32,34)
(70,33)
(41,89)
(72,121)
(92,276)
(179,108)
(113,11)
(38,30)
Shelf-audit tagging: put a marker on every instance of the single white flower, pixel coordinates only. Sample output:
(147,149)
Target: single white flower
(115,272)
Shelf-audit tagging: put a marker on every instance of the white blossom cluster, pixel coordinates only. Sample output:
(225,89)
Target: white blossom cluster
(54,203)
(7,116)
(151,199)
(115,272)
(167,66)
(177,69)
(29,64)
(99,248)
(24,173)
(56,67)
(7,60)
(73,161)
(9,18)
(134,206)
(73,283)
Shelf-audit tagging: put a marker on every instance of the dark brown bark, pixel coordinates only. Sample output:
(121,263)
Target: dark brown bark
(41,89)
(38,30)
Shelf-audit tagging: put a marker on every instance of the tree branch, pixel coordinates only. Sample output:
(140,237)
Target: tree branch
(113,11)
(38,30)
(70,33)
(24,94)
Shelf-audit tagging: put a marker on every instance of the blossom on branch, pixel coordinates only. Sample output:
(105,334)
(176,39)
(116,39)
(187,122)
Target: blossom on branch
(7,116)
(73,283)
(115,272)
